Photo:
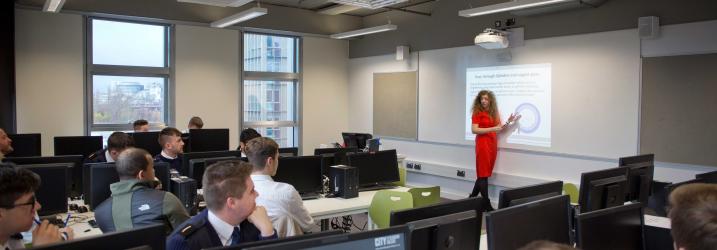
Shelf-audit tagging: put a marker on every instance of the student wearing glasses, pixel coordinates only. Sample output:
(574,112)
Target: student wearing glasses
(18,208)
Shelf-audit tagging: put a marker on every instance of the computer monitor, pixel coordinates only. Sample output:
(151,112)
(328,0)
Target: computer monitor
(659,200)
(637,159)
(149,237)
(639,182)
(332,151)
(281,240)
(618,227)
(100,177)
(54,186)
(602,189)
(423,224)
(198,165)
(211,139)
(355,140)
(516,196)
(148,141)
(77,145)
(514,227)
(709,177)
(286,152)
(186,157)
(375,168)
(76,180)
(302,172)
(393,238)
(25,145)
(333,156)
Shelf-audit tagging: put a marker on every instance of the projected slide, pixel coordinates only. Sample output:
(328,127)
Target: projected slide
(520,89)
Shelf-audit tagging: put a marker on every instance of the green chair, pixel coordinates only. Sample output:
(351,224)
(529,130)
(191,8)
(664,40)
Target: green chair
(572,191)
(385,201)
(402,177)
(425,196)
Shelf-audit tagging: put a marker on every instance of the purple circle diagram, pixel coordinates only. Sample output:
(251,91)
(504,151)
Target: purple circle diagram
(529,108)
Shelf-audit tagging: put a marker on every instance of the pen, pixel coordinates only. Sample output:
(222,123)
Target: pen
(67,219)
(63,235)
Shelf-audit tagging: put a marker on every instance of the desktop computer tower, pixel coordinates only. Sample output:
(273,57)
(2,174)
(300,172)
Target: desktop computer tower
(344,181)
(186,190)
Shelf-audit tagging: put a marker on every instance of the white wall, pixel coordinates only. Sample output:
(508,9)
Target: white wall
(49,75)
(325,92)
(207,78)
(511,162)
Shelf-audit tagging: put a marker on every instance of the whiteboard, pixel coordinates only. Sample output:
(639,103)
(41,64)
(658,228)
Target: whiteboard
(595,91)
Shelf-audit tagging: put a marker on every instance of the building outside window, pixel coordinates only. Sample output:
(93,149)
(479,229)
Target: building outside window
(270,87)
(128,75)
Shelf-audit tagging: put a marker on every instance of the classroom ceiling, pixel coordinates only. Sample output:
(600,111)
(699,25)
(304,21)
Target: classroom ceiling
(420,7)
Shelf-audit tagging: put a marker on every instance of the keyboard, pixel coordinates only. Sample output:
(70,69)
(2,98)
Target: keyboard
(309,196)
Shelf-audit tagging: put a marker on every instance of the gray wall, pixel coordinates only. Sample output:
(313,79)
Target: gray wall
(445,29)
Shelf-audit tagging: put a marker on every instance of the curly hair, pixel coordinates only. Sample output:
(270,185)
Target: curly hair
(492,106)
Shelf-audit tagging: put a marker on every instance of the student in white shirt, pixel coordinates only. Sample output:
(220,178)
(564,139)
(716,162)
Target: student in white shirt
(281,200)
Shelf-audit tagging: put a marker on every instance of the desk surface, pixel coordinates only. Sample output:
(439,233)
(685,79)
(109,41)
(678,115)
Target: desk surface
(324,208)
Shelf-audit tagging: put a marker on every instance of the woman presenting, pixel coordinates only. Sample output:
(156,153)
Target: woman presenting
(486,124)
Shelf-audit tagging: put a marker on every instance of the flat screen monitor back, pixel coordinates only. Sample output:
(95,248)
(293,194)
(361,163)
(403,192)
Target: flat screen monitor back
(54,187)
(214,139)
(639,182)
(393,238)
(402,217)
(101,175)
(76,179)
(612,228)
(602,189)
(285,152)
(302,172)
(148,141)
(451,231)
(332,151)
(150,236)
(198,165)
(521,195)
(281,240)
(375,168)
(514,227)
(186,157)
(709,177)
(25,145)
(77,145)
(637,159)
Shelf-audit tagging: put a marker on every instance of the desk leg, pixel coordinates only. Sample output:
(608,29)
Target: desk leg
(324,224)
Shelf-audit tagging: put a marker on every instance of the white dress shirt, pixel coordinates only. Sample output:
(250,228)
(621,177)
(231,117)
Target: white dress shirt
(224,230)
(282,202)
(108,156)
(12,244)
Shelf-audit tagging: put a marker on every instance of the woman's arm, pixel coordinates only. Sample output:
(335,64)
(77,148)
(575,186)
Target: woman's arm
(479,131)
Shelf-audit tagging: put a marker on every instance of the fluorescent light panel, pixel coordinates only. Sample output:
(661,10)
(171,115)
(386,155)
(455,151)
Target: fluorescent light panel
(53,5)
(239,17)
(366,31)
(338,9)
(369,4)
(512,5)
(219,3)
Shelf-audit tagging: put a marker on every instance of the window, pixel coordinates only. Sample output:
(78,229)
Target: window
(270,86)
(128,75)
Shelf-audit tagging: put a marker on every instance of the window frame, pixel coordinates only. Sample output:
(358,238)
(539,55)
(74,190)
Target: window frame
(296,77)
(166,72)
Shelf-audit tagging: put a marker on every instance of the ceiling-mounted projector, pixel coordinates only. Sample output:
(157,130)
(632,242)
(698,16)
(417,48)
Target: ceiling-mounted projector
(492,39)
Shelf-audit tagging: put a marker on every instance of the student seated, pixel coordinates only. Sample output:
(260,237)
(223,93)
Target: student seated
(231,217)
(141,126)
(546,245)
(116,143)
(135,202)
(18,208)
(5,144)
(280,199)
(172,148)
(195,123)
(245,136)
(693,215)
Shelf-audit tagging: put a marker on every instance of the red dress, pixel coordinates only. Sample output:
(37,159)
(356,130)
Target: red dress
(486,145)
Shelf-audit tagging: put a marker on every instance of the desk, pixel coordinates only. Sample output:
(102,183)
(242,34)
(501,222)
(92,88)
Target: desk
(326,208)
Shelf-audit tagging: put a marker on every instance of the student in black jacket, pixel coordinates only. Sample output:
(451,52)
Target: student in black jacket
(172,148)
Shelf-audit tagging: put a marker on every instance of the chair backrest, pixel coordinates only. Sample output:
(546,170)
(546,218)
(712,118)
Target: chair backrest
(572,191)
(401,177)
(385,201)
(425,196)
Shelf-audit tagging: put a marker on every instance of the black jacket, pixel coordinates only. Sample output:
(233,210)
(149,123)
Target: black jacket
(198,233)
